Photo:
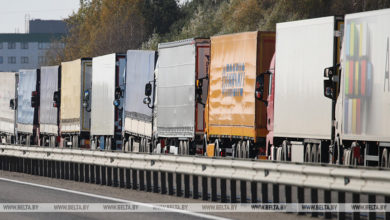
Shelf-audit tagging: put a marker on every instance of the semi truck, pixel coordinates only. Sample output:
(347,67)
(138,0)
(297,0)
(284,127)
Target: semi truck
(298,115)
(178,124)
(361,92)
(137,130)
(49,111)
(28,107)
(108,74)
(8,104)
(75,108)
(235,119)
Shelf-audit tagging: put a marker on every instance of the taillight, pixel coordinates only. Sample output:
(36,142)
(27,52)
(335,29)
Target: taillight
(258,95)
(257,85)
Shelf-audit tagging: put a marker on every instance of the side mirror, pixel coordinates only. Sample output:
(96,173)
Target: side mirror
(259,87)
(56,99)
(331,71)
(329,89)
(13,104)
(118,93)
(148,89)
(34,99)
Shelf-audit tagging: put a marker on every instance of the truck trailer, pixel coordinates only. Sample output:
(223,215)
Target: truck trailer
(28,107)
(235,119)
(108,74)
(298,114)
(362,120)
(178,124)
(137,130)
(49,111)
(75,108)
(8,104)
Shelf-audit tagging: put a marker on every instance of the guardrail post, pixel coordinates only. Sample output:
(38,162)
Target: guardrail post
(233,189)
(301,197)
(20,164)
(371,199)
(86,173)
(81,170)
(109,176)
(97,175)
(24,161)
(243,191)
(341,200)
(327,199)
(63,171)
(314,199)
(254,192)
(155,181)
(76,171)
(178,185)
(387,214)
(287,192)
(48,168)
(186,185)
(121,177)
(163,182)
(92,173)
(40,167)
(31,167)
(213,189)
(170,183)
(67,170)
(58,169)
(134,174)
(53,168)
(72,169)
(195,187)
(205,194)
(355,199)
(1,162)
(103,175)
(128,177)
(148,181)
(115,176)
(264,192)
(223,191)
(141,174)
(275,193)
(45,168)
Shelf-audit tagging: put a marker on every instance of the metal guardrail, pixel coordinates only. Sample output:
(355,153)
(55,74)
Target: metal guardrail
(157,172)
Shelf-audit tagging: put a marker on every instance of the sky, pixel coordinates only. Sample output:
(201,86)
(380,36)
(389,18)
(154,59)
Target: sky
(13,12)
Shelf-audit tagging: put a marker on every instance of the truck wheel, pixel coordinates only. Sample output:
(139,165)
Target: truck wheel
(384,158)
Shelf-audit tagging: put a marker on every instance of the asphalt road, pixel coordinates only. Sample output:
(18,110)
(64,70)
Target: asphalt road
(22,188)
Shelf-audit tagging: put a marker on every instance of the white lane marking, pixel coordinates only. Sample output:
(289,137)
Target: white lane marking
(115,199)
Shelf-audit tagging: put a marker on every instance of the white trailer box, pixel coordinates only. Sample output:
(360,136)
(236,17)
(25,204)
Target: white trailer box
(7,92)
(175,106)
(303,50)
(365,85)
(48,114)
(140,69)
(104,82)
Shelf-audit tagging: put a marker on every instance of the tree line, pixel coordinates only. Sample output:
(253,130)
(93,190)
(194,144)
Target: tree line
(106,26)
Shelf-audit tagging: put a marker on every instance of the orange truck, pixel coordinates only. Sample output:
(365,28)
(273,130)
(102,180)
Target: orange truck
(235,119)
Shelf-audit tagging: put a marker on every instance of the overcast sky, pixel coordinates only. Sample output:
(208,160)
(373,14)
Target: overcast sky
(13,12)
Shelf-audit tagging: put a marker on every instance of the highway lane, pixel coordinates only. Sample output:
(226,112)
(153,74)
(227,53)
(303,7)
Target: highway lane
(76,192)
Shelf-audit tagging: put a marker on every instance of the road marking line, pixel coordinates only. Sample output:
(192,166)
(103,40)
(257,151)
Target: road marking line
(115,199)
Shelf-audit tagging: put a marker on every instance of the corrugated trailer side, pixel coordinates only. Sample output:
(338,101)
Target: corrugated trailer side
(8,83)
(48,114)
(232,110)
(137,115)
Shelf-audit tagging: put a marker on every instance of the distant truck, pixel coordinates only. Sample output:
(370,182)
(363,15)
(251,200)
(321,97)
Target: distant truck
(108,74)
(49,111)
(75,108)
(8,104)
(362,91)
(178,124)
(235,120)
(28,107)
(137,129)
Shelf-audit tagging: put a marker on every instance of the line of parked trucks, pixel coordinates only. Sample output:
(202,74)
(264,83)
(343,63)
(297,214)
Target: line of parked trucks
(317,91)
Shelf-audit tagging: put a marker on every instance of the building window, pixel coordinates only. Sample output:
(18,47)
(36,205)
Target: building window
(12,60)
(41,60)
(24,45)
(1,60)
(41,45)
(11,45)
(1,45)
(24,60)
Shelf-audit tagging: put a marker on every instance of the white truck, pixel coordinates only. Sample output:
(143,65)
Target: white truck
(8,94)
(108,73)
